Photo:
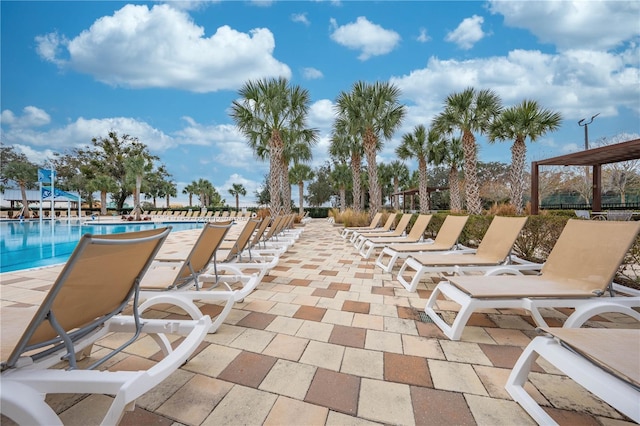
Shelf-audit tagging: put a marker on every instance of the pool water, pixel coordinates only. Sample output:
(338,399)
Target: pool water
(31,244)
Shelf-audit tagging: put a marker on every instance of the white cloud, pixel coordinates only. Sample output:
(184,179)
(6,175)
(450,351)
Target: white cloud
(311,73)
(423,37)
(468,33)
(31,117)
(300,17)
(371,39)
(577,24)
(120,50)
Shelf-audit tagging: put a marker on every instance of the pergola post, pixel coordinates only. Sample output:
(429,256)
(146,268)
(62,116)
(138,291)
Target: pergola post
(596,204)
(535,201)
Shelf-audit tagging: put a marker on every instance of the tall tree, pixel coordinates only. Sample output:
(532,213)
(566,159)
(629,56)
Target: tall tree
(517,123)
(469,111)
(104,185)
(373,112)
(340,176)
(449,151)
(169,189)
(16,167)
(399,173)
(421,145)
(271,113)
(191,189)
(237,189)
(320,189)
(136,167)
(298,174)
(346,146)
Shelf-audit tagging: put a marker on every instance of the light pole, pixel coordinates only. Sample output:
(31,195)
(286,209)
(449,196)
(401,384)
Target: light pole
(584,123)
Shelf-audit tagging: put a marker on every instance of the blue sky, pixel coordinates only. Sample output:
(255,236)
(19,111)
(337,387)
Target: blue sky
(167,72)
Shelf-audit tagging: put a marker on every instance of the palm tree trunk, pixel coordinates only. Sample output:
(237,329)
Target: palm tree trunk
(472,192)
(396,189)
(375,195)
(423,188)
(357,188)
(25,201)
(343,199)
(454,190)
(285,187)
(275,172)
(103,203)
(518,156)
(301,194)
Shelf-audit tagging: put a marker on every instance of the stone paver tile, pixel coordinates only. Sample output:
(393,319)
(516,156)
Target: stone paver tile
(476,335)
(224,335)
(339,286)
(384,310)
(515,322)
(140,416)
(383,341)
(339,419)
(457,377)
(310,313)
(324,355)
(336,391)
(348,336)
(253,340)
(282,298)
(248,369)
(284,309)
(322,292)
(287,347)
(422,346)
(464,352)
(384,291)
(505,356)
(356,307)
(400,325)
(236,314)
(256,320)
(494,380)
(289,378)
(89,410)
(152,399)
(259,305)
(242,406)
(287,411)
(564,417)
(195,400)
(212,360)
(503,336)
(363,363)
(338,317)
(412,370)
(385,402)
(306,300)
(371,322)
(427,329)
(490,412)
(315,331)
(285,325)
(437,407)
(563,393)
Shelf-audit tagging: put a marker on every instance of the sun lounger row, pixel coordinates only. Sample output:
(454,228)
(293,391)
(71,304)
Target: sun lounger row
(196,215)
(107,274)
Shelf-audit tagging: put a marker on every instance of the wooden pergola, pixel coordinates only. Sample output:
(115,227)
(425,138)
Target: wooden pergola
(595,158)
(413,191)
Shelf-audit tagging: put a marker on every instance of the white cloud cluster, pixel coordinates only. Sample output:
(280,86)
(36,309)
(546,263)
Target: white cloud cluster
(31,117)
(371,39)
(301,18)
(576,24)
(310,73)
(468,33)
(121,49)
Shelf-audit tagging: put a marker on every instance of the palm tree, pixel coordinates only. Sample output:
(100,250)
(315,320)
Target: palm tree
(237,189)
(297,149)
(346,146)
(190,190)
(421,144)
(298,174)
(517,123)
(399,173)
(271,113)
(169,189)
(136,166)
(25,174)
(103,184)
(469,111)
(204,189)
(373,111)
(340,177)
(449,152)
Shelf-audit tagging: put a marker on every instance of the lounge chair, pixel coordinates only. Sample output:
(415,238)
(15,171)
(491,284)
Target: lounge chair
(398,231)
(346,232)
(174,278)
(579,269)
(446,240)
(493,250)
(43,348)
(604,361)
(388,225)
(416,234)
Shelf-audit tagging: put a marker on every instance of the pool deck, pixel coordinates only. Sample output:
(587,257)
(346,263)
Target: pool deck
(329,339)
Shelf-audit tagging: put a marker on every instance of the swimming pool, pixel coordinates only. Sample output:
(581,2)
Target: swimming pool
(30,244)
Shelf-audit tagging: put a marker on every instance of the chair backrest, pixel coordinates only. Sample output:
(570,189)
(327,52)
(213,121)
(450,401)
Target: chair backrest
(232,213)
(217,213)
(450,230)
(619,215)
(419,226)
(582,214)
(274,228)
(257,236)
(391,219)
(376,220)
(589,253)
(500,237)
(402,225)
(240,244)
(225,213)
(96,283)
(202,252)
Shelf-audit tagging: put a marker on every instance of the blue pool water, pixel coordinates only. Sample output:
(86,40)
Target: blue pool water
(30,244)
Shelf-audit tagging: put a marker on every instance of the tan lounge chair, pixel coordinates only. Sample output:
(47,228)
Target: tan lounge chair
(397,231)
(388,225)
(85,303)
(579,269)
(493,250)
(346,232)
(416,234)
(446,240)
(604,361)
